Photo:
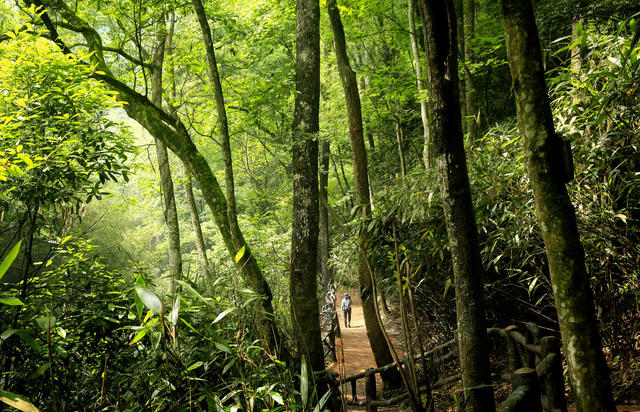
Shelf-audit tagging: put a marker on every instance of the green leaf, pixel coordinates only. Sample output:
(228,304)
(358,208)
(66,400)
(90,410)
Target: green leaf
(150,299)
(191,290)
(42,369)
(7,334)
(240,254)
(304,383)
(11,301)
(223,347)
(141,334)
(195,366)
(223,314)
(277,397)
(4,266)
(46,322)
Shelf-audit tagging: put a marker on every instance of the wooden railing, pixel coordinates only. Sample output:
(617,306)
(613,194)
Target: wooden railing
(534,369)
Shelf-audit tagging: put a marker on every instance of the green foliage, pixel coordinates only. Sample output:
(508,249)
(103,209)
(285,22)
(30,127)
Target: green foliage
(61,148)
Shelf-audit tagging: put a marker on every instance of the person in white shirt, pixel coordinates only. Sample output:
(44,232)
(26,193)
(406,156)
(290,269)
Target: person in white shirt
(345,307)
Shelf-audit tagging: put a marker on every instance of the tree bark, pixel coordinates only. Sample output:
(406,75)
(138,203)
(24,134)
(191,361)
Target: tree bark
(380,350)
(323,241)
(446,131)
(170,210)
(547,172)
(469,11)
(197,228)
(305,316)
(172,132)
(427,151)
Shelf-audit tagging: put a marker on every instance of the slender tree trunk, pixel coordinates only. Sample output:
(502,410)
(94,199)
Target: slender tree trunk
(458,6)
(547,169)
(323,241)
(197,228)
(170,210)
(381,352)
(446,131)
(399,139)
(303,282)
(169,129)
(469,12)
(427,151)
(234,229)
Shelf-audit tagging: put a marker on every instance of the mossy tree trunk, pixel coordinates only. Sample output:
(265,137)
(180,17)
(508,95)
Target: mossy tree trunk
(446,133)
(169,200)
(303,282)
(546,166)
(172,132)
(381,352)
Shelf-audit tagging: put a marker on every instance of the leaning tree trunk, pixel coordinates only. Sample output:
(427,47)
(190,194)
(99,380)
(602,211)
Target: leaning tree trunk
(446,131)
(170,210)
(303,283)
(381,352)
(172,132)
(548,165)
(427,150)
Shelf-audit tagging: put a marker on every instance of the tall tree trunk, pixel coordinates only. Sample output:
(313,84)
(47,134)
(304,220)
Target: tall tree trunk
(197,228)
(169,129)
(379,347)
(446,131)
(547,169)
(427,151)
(234,229)
(303,282)
(458,7)
(469,12)
(323,241)
(170,210)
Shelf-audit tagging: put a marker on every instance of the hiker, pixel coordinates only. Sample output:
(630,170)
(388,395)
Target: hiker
(345,307)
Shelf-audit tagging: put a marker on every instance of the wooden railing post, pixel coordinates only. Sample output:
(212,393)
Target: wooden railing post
(370,389)
(354,391)
(526,393)
(553,399)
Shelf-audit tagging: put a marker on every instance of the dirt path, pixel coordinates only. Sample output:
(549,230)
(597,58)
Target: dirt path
(353,349)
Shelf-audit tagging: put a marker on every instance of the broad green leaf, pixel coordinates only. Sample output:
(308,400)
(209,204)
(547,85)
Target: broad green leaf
(141,334)
(11,301)
(42,369)
(240,254)
(149,299)
(277,397)
(7,334)
(193,291)
(223,314)
(4,266)
(195,366)
(223,347)
(46,322)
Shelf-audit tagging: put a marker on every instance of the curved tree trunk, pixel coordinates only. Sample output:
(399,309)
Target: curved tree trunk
(469,11)
(303,282)
(446,131)
(170,210)
(547,170)
(379,347)
(172,132)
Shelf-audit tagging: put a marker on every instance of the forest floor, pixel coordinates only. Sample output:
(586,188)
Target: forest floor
(353,349)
